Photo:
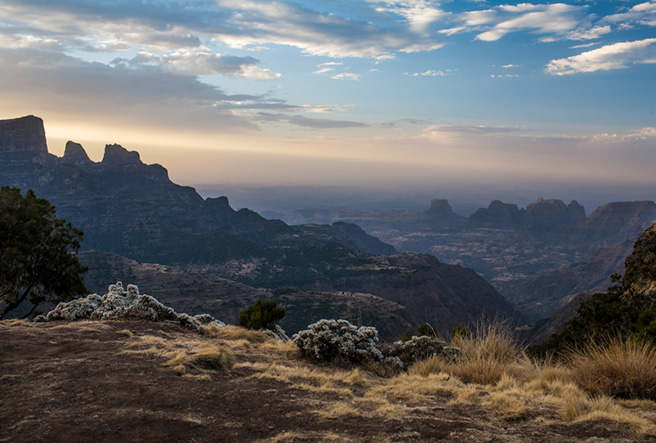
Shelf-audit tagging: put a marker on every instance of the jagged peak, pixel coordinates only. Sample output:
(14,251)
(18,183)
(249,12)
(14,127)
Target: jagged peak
(118,155)
(75,152)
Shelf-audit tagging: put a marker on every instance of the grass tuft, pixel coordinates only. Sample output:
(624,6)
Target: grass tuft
(623,369)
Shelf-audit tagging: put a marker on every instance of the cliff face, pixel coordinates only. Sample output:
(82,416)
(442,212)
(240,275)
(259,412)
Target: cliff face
(640,276)
(129,208)
(620,220)
(25,135)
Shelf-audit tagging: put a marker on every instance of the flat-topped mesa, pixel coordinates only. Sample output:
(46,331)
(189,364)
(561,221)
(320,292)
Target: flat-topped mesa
(439,206)
(497,213)
(24,135)
(75,153)
(549,213)
(118,155)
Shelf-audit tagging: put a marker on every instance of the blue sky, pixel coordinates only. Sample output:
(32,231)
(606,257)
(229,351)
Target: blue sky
(372,92)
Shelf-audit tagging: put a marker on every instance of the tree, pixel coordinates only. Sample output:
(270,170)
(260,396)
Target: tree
(263,314)
(38,253)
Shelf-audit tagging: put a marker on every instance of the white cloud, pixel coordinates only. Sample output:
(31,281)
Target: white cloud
(615,56)
(346,76)
(641,14)
(589,34)
(555,18)
(163,26)
(201,62)
(430,73)
(420,14)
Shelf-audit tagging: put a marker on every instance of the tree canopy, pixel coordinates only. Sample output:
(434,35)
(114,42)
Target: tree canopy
(38,253)
(263,314)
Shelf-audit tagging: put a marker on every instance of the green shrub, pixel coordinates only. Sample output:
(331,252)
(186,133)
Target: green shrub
(460,331)
(426,330)
(263,314)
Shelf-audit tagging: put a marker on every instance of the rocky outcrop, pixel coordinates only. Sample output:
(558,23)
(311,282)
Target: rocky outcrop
(540,296)
(120,304)
(74,153)
(619,220)
(25,135)
(552,214)
(576,213)
(117,155)
(497,213)
(439,207)
(640,276)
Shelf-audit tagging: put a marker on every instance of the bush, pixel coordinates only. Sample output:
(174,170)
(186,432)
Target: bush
(416,348)
(263,314)
(460,331)
(625,369)
(426,330)
(338,341)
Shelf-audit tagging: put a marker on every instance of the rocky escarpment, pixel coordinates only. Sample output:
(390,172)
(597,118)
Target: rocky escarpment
(22,138)
(541,295)
(619,220)
(199,292)
(548,214)
(132,209)
(626,310)
(128,207)
(640,276)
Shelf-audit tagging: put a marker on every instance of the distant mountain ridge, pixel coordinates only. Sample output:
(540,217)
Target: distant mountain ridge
(132,209)
(538,256)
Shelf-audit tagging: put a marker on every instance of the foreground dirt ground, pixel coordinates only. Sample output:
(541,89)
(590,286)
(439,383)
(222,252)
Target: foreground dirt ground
(133,381)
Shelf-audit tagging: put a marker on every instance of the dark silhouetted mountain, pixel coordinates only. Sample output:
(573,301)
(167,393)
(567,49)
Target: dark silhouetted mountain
(22,138)
(498,213)
(134,210)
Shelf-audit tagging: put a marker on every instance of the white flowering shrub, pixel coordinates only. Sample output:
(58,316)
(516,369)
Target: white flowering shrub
(338,341)
(277,333)
(417,348)
(119,304)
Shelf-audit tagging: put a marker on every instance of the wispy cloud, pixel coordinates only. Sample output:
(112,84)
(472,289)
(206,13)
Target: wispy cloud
(306,122)
(420,14)
(199,62)
(174,24)
(346,76)
(609,57)
(556,19)
(640,14)
(430,73)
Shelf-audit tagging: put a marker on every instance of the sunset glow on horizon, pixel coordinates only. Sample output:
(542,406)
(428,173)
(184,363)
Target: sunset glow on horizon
(378,93)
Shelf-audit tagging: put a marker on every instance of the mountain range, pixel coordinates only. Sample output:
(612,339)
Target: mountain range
(539,257)
(139,226)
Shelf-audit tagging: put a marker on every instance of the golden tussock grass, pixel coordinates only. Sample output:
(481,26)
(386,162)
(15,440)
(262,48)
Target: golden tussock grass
(235,333)
(184,355)
(618,368)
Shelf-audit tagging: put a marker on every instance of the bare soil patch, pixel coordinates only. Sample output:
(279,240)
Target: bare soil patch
(97,381)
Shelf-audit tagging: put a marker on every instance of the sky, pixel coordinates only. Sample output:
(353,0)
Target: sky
(373,93)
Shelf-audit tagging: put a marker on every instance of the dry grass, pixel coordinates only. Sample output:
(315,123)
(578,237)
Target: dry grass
(235,333)
(485,355)
(184,355)
(624,369)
